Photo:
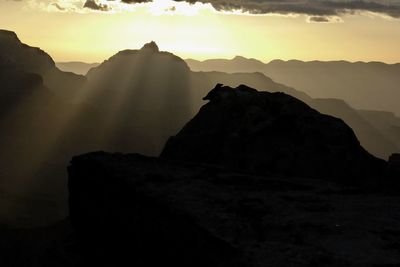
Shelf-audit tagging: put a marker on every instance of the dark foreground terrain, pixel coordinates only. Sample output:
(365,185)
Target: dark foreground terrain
(207,202)
(150,212)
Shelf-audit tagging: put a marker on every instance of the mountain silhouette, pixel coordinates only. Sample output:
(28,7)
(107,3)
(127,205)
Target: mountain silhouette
(16,55)
(371,85)
(76,67)
(376,139)
(366,86)
(264,132)
(233,188)
(133,101)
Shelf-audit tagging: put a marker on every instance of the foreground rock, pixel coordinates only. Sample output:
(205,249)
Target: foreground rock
(139,211)
(264,132)
(394,162)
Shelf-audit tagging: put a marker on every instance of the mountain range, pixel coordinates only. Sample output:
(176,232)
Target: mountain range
(77,67)
(331,87)
(133,101)
(364,85)
(251,173)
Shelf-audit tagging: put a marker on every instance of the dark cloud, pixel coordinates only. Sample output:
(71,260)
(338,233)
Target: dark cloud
(58,6)
(135,1)
(319,19)
(93,5)
(319,9)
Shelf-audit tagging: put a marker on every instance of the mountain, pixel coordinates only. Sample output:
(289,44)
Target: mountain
(21,56)
(18,85)
(233,188)
(76,67)
(15,54)
(372,86)
(264,132)
(373,137)
(151,94)
(191,210)
(237,64)
(387,122)
(134,101)
(36,98)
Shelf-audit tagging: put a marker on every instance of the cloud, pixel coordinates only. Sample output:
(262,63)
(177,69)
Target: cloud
(56,5)
(324,19)
(318,19)
(135,1)
(91,4)
(318,10)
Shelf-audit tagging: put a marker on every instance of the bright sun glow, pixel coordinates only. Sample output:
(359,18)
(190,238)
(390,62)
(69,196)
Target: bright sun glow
(70,32)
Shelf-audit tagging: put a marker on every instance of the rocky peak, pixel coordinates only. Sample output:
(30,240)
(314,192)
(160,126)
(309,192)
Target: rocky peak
(15,54)
(152,46)
(148,59)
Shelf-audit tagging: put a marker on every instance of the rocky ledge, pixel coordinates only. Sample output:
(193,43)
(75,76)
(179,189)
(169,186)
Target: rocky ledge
(139,211)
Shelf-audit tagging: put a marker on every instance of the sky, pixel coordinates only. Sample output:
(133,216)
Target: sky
(94,30)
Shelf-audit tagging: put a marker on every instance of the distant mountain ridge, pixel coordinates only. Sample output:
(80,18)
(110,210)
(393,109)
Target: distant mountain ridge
(76,67)
(372,85)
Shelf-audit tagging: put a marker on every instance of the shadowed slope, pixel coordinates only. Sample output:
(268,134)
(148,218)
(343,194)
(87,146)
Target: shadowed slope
(144,96)
(372,137)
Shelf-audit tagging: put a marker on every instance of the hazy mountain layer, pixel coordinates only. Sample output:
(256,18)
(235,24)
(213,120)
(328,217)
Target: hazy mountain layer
(372,86)
(81,68)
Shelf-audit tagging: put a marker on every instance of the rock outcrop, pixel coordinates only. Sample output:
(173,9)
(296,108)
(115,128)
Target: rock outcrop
(131,210)
(263,132)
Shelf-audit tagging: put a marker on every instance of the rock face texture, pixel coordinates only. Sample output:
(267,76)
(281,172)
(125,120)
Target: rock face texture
(131,210)
(264,132)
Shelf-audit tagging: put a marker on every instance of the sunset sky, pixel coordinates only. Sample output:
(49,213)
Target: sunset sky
(262,29)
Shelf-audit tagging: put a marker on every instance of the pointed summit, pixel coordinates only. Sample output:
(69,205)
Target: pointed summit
(152,46)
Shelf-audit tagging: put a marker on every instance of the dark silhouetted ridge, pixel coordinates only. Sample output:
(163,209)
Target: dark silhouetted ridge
(264,132)
(15,54)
